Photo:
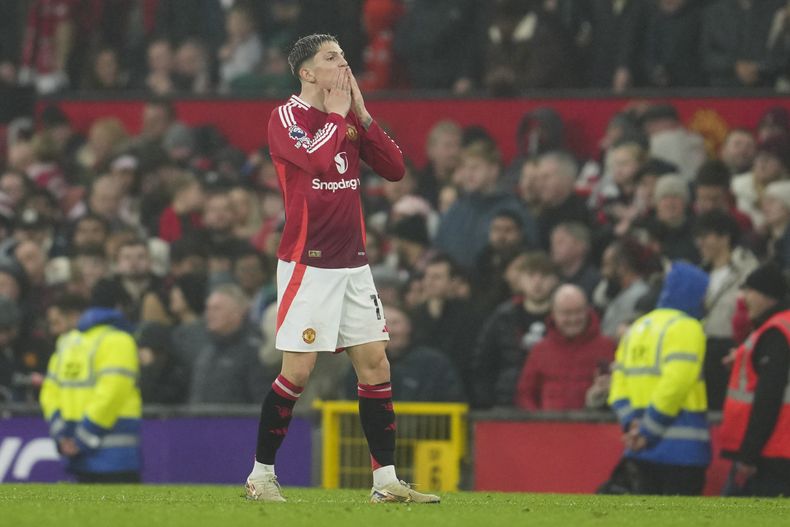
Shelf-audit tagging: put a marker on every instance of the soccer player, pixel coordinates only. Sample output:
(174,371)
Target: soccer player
(326,297)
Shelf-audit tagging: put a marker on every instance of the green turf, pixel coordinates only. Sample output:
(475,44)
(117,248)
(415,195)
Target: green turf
(65,505)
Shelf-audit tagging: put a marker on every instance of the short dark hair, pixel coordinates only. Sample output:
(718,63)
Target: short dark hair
(132,242)
(444,259)
(717,222)
(537,262)
(511,215)
(305,48)
(713,173)
(70,303)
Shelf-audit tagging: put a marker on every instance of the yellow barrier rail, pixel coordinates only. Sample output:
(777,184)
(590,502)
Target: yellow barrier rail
(431,442)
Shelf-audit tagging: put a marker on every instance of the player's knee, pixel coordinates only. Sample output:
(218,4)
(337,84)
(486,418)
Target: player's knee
(298,375)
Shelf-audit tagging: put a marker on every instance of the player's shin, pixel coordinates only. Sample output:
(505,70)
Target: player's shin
(276,414)
(378,423)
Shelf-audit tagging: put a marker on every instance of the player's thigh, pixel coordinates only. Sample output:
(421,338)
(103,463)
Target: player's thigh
(309,306)
(362,317)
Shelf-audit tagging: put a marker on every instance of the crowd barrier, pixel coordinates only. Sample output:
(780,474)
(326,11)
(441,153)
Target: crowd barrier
(431,444)
(440,445)
(558,452)
(244,122)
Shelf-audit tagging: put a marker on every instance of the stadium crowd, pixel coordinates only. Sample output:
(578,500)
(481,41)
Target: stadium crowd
(504,284)
(503,47)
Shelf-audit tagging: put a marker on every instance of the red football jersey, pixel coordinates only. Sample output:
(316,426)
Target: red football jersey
(316,156)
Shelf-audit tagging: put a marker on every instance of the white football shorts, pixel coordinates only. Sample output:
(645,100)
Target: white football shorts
(327,309)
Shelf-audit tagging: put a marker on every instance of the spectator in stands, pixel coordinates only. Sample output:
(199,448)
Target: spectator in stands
(163,380)
(672,41)
(463,231)
(64,314)
(615,46)
(48,42)
(571,243)
(380,18)
(444,321)
(187,303)
(253,274)
(738,150)
(106,72)
(712,192)
(183,19)
(776,210)
(91,230)
(672,224)
(138,290)
(558,200)
(157,117)
(419,373)
(448,56)
(160,61)
(755,423)
(443,150)
(508,335)
(613,197)
(540,131)
(670,141)
(227,369)
(734,42)
(15,186)
(192,68)
(778,61)
(104,201)
(774,121)
(410,245)
(247,213)
(771,164)
(183,216)
(105,137)
(505,241)
(728,265)
(527,48)
(89,264)
(560,368)
(242,52)
(13,372)
(217,219)
(624,269)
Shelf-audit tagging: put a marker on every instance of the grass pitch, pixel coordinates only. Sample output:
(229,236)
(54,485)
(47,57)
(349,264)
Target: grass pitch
(66,505)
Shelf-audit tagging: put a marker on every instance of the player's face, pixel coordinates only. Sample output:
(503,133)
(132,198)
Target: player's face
(325,63)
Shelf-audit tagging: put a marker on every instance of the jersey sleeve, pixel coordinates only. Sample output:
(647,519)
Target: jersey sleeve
(290,139)
(381,153)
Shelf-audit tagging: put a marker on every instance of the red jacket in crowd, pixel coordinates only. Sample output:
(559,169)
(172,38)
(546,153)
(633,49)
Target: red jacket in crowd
(559,371)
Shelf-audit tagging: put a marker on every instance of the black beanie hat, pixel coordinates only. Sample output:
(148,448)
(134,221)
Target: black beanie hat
(768,280)
(195,290)
(411,228)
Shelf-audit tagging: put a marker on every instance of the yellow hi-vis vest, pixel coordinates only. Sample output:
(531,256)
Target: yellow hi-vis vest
(90,394)
(657,378)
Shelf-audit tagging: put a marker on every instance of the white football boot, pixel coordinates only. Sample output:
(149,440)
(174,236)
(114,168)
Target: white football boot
(400,492)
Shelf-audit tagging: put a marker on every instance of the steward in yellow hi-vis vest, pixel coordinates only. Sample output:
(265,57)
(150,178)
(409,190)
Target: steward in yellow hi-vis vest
(91,400)
(658,391)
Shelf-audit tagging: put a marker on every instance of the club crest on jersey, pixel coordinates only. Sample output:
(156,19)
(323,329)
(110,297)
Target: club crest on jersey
(351,133)
(308,335)
(298,135)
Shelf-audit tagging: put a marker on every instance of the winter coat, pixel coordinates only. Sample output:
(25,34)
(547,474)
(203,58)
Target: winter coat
(559,371)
